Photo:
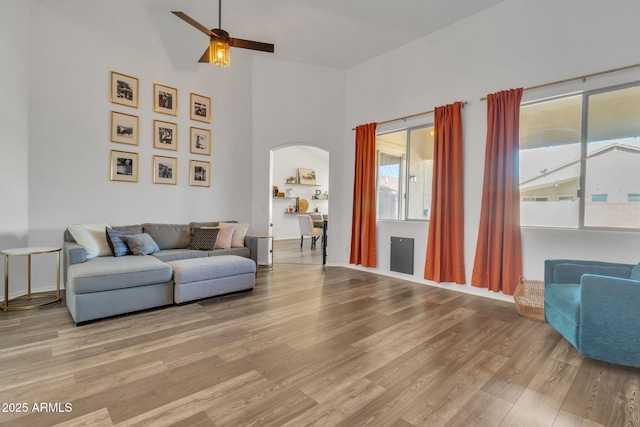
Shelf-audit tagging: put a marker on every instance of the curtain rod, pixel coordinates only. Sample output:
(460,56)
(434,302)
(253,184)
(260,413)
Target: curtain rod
(411,116)
(583,78)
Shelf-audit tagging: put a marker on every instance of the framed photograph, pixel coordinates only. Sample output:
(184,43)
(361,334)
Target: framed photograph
(165,135)
(124,166)
(124,128)
(199,173)
(165,99)
(165,170)
(306,176)
(124,90)
(200,108)
(200,141)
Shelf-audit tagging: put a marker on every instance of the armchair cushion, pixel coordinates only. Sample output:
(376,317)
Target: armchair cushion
(572,273)
(562,309)
(635,273)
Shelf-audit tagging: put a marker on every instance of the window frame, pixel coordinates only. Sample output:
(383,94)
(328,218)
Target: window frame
(405,172)
(584,125)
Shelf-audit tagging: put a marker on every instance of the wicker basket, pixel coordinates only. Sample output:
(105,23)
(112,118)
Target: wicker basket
(529,299)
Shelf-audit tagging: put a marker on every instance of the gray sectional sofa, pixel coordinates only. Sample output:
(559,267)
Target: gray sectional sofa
(107,285)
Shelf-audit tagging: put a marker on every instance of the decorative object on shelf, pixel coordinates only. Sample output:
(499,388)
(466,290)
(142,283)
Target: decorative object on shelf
(124,128)
(200,141)
(289,192)
(220,43)
(165,99)
(281,194)
(315,209)
(200,108)
(165,135)
(165,170)
(124,166)
(291,180)
(124,90)
(199,173)
(316,196)
(303,205)
(274,191)
(306,176)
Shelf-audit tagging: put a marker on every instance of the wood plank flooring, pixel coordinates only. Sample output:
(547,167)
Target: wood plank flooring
(310,346)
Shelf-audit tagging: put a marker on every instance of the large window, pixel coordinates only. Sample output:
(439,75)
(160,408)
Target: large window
(580,160)
(405,164)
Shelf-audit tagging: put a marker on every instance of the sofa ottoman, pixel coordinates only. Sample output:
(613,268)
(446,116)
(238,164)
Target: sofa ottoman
(200,278)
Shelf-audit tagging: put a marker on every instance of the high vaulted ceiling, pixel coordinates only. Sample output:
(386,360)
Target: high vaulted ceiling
(331,33)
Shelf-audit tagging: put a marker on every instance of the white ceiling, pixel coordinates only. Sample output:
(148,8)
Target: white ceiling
(331,33)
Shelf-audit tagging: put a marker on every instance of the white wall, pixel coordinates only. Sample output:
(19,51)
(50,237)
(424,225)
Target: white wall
(286,161)
(14,134)
(73,46)
(56,129)
(296,104)
(514,44)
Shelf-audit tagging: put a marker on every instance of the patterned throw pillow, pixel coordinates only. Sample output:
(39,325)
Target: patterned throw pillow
(141,244)
(204,238)
(116,244)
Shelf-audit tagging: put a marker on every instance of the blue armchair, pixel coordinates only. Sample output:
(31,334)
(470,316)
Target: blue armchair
(596,307)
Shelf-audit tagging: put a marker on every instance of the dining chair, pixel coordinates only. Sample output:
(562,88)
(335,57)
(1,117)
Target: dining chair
(307,229)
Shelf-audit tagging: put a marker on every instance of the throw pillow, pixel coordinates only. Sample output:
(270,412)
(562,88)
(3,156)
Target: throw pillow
(635,273)
(116,244)
(141,244)
(239,232)
(224,236)
(92,237)
(204,238)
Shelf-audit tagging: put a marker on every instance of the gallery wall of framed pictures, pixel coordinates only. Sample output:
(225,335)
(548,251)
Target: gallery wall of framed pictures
(125,129)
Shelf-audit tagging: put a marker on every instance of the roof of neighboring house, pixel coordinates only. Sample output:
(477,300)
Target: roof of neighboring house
(556,169)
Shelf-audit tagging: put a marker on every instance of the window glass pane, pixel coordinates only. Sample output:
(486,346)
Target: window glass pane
(613,159)
(391,148)
(550,162)
(420,173)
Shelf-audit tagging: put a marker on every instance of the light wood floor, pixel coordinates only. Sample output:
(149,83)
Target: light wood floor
(309,346)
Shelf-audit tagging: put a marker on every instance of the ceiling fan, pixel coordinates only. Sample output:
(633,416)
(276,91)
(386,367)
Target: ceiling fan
(219,41)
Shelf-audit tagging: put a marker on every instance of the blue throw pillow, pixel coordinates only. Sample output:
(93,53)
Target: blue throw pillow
(116,244)
(141,244)
(635,273)
(572,273)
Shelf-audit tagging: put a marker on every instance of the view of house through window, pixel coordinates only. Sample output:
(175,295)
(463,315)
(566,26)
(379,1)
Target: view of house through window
(404,173)
(580,160)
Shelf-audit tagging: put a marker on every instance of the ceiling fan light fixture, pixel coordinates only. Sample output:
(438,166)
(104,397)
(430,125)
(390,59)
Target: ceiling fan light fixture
(219,54)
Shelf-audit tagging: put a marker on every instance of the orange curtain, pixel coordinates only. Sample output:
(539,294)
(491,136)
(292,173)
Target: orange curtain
(363,223)
(498,262)
(445,248)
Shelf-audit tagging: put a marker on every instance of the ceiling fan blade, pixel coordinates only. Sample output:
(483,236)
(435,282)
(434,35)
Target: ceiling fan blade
(193,22)
(248,44)
(205,56)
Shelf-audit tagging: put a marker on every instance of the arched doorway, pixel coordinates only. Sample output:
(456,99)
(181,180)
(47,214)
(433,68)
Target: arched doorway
(300,192)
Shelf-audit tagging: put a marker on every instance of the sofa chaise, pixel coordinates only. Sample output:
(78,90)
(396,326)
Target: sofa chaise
(178,266)
(594,305)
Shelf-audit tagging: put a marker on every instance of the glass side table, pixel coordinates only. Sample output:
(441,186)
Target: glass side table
(53,297)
